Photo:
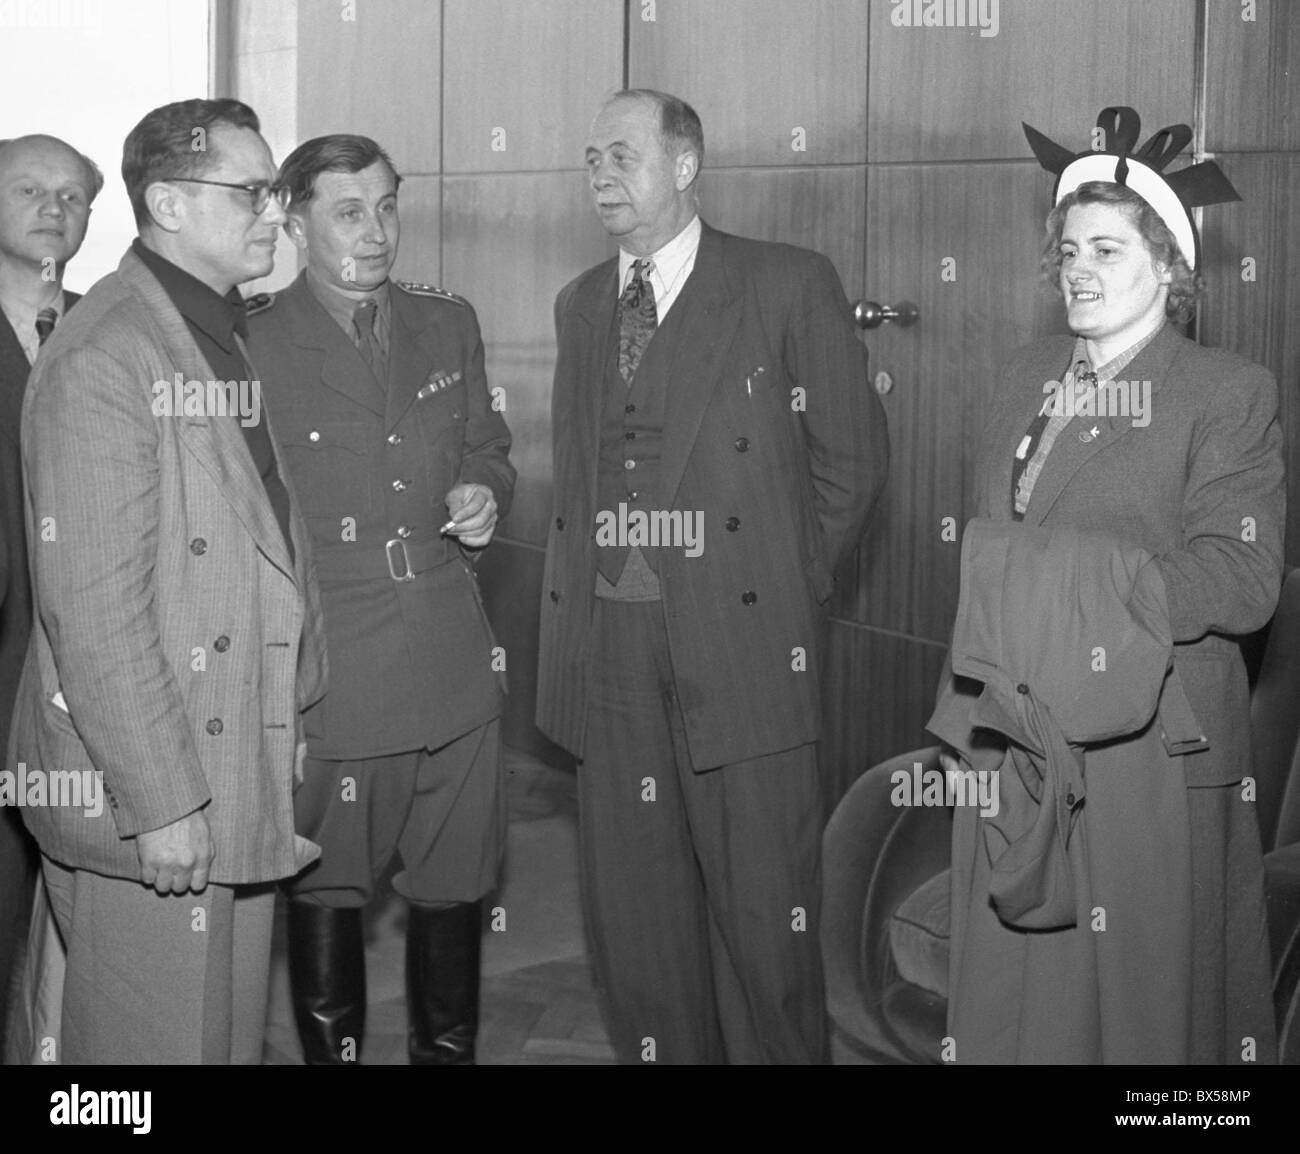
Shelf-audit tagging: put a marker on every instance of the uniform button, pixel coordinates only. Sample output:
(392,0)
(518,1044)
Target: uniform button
(555,596)
(742,444)
(395,438)
(629,464)
(633,495)
(749,597)
(1069,799)
(1022,688)
(314,435)
(198,546)
(559,522)
(214,726)
(221,644)
(403,531)
(733,523)
(629,408)
(399,485)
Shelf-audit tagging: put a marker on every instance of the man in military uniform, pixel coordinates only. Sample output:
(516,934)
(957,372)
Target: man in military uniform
(378,394)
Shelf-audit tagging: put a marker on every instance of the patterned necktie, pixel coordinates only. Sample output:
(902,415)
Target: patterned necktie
(637,319)
(363,323)
(46,319)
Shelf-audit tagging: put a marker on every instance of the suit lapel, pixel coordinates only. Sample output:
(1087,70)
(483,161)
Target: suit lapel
(594,305)
(1085,436)
(712,315)
(216,442)
(412,347)
(324,351)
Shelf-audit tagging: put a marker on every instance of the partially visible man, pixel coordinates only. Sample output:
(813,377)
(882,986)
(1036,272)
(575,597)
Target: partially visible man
(176,620)
(46,190)
(718,448)
(401,462)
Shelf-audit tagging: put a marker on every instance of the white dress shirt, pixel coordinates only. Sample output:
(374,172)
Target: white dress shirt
(669,268)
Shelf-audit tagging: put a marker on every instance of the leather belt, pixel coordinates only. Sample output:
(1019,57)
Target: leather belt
(399,559)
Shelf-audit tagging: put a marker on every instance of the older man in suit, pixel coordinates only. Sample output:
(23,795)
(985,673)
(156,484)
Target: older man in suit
(401,459)
(717,383)
(176,631)
(46,190)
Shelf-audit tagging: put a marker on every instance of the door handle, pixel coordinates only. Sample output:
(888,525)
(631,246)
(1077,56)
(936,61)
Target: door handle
(869,315)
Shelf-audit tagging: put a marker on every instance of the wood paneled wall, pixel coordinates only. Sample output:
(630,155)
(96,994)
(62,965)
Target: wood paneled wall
(897,151)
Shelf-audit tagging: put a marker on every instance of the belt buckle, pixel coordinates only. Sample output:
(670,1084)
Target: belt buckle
(409,574)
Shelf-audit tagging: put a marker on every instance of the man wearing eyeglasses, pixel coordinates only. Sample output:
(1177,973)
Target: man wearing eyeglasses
(177,634)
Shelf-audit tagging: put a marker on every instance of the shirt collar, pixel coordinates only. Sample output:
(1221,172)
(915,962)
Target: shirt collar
(342,308)
(1117,363)
(668,261)
(220,317)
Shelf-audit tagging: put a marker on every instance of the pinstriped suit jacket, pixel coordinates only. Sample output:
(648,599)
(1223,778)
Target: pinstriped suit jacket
(167,611)
(785,492)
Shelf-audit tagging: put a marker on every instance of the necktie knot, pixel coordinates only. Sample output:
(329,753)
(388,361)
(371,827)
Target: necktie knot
(363,319)
(46,319)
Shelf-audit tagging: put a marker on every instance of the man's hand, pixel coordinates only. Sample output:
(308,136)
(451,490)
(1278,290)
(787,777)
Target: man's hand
(473,510)
(176,857)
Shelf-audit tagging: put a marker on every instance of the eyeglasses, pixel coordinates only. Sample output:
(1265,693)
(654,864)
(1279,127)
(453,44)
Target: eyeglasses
(260,194)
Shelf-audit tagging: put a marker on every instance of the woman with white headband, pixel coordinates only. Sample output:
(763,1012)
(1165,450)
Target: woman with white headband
(1131,506)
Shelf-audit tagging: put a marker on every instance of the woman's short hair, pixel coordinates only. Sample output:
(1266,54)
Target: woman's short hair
(1184,286)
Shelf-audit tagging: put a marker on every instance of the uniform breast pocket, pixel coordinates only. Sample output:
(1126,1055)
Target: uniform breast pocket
(328,465)
(442,410)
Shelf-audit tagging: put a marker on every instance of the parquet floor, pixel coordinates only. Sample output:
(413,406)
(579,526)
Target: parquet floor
(537,1005)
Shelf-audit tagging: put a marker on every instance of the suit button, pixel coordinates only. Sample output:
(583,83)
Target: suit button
(395,438)
(1022,688)
(633,495)
(555,596)
(399,485)
(630,436)
(198,546)
(214,726)
(733,523)
(742,444)
(629,408)
(403,531)
(749,597)
(629,464)
(314,435)
(221,644)
(559,522)
(1069,799)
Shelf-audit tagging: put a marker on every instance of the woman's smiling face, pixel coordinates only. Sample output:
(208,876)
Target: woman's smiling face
(1114,290)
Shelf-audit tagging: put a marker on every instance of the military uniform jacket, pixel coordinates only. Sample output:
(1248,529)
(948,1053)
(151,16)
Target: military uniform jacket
(411,659)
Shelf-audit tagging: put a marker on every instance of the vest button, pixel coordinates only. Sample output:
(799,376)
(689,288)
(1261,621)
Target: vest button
(314,435)
(742,444)
(633,495)
(214,726)
(630,436)
(403,531)
(733,523)
(198,546)
(221,644)
(399,485)
(629,464)
(395,438)
(749,597)
(555,597)
(1022,688)
(629,408)
(559,522)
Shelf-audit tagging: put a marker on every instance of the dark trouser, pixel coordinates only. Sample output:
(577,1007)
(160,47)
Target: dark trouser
(701,890)
(18,864)
(443,812)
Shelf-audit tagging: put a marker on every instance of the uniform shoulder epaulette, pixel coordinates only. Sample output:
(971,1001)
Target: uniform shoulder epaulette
(428,290)
(258,303)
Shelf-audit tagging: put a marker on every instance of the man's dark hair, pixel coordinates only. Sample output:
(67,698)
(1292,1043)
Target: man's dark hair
(168,143)
(94,178)
(679,126)
(340,152)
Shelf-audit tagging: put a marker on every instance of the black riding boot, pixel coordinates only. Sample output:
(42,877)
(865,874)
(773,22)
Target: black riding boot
(442,963)
(327,974)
